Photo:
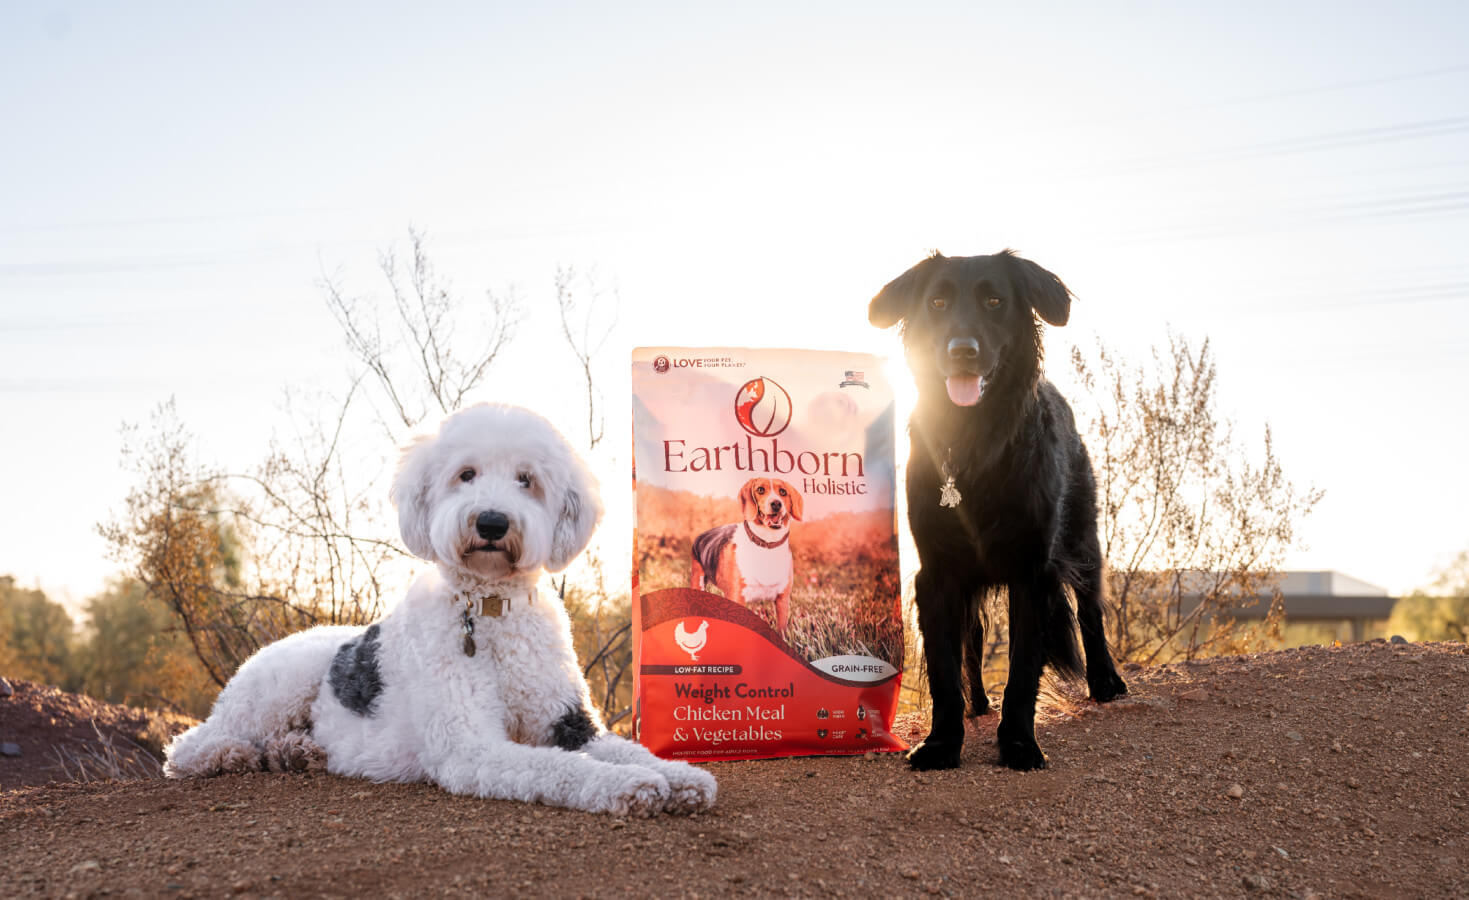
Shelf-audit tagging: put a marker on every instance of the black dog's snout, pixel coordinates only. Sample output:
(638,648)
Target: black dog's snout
(491,525)
(963,348)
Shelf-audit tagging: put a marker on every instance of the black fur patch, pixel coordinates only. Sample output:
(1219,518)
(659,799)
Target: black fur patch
(354,674)
(573,730)
(707,546)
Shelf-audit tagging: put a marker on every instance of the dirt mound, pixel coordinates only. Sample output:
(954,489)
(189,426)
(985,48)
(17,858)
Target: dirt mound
(59,734)
(1316,772)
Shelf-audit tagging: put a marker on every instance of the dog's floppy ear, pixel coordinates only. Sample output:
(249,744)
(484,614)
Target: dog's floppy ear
(1045,293)
(897,297)
(581,510)
(747,497)
(410,496)
(798,506)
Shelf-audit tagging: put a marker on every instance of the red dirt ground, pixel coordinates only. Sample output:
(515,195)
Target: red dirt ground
(1303,773)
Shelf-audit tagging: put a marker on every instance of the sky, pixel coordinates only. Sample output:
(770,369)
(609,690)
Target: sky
(1288,180)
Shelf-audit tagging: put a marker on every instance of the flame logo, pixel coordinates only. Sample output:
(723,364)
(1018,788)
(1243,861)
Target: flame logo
(763,407)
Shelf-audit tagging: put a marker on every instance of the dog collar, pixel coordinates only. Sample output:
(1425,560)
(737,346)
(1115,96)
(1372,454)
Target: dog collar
(761,542)
(491,605)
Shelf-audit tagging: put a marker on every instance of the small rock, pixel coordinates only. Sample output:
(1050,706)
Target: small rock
(1293,735)
(1336,746)
(1398,639)
(1195,694)
(10,749)
(1005,860)
(1353,783)
(1256,882)
(1234,791)
(81,868)
(5,689)
(1283,854)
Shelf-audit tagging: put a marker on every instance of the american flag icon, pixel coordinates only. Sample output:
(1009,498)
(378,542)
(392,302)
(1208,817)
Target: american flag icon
(855,375)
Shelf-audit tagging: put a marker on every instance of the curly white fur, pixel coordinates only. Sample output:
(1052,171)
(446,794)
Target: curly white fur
(403,701)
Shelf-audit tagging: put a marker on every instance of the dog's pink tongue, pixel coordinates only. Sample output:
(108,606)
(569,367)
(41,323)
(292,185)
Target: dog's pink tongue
(963,389)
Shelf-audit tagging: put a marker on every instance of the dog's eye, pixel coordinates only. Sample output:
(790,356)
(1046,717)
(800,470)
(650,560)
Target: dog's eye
(992,302)
(939,303)
(782,492)
(466,475)
(523,479)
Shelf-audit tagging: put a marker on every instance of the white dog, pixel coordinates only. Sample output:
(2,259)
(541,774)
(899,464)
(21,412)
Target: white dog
(471,681)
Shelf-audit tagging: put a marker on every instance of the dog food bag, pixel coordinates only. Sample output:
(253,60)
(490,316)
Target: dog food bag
(766,600)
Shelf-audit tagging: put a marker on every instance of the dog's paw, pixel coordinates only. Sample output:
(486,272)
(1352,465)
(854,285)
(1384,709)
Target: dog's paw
(933,754)
(1107,687)
(1022,756)
(691,789)
(636,792)
(294,752)
(980,706)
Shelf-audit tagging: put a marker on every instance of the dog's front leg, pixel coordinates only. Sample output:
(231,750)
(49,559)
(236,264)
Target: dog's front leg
(692,788)
(941,613)
(550,775)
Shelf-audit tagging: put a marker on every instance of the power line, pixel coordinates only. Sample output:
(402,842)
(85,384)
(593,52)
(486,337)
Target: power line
(1316,143)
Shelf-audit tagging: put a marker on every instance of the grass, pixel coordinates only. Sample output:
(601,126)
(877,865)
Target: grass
(846,604)
(106,759)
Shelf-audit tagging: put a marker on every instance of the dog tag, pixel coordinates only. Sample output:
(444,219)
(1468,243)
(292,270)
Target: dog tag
(492,606)
(948,494)
(468,626)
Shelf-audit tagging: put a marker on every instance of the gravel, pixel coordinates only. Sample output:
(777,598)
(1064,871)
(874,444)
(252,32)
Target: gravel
(1139,800)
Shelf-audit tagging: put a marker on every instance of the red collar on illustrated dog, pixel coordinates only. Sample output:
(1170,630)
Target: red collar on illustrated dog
(761,542)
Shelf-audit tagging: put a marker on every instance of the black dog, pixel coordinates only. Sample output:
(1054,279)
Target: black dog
(1000,495)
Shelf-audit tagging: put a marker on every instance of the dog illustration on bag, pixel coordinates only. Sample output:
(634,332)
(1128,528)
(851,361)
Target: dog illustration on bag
(750,560)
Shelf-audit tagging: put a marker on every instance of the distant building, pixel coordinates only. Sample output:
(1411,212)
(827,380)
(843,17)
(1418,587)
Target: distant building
(1324,598)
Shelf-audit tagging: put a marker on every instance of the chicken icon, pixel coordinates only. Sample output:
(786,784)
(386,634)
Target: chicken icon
(691,642)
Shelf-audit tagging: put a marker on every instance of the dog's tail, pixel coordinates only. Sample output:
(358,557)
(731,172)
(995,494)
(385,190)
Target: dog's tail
(1059,638)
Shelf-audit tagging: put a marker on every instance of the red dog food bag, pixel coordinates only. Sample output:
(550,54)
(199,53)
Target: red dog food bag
(766,600)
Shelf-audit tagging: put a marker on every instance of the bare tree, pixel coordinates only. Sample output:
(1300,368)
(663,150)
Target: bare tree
(587,324)
(244,558)
(1193,525)
(422,366)
(185,546)
(601,619)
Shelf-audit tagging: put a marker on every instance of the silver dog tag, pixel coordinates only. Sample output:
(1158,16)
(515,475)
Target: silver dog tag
(948,494)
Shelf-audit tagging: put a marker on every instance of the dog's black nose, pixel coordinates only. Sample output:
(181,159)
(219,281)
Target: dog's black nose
(491,525)
(963,348)
(775,506)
